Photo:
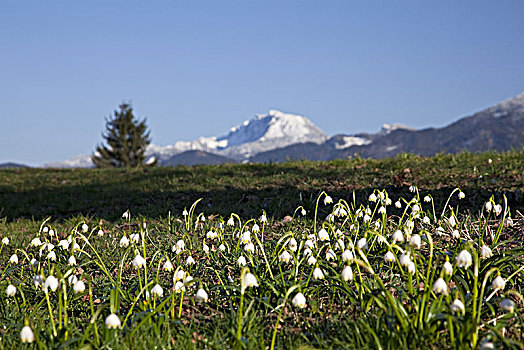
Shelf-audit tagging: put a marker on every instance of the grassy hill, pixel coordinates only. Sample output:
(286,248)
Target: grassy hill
(247,189)
(371,274)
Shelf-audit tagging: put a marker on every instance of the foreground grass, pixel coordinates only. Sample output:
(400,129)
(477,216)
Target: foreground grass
(382,303)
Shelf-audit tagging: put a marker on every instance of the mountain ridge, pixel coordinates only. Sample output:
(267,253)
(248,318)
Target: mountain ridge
(278,136)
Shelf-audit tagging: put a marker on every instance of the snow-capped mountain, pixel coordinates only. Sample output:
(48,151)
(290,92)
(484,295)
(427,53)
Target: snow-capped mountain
(265,132)
(278,136)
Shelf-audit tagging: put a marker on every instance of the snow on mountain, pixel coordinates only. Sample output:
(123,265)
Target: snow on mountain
(80,161)
(512,105)
(388,128)
(348,141)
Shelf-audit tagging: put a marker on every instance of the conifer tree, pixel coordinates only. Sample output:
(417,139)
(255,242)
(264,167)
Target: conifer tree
(127,139)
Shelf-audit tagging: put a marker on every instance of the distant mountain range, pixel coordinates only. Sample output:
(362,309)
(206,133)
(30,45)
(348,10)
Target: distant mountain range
(278,136)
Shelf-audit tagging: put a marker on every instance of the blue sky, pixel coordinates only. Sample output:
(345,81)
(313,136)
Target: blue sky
(197,68)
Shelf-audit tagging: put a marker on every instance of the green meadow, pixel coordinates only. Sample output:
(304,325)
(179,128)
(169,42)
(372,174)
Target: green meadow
(404,252)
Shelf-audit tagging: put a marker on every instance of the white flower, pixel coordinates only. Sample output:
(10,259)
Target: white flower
(185,213)
(79,287)
(256,228)
(299,300)
(36,242)
(201,295)
(488,206)
(507,305)
(27,335)
(447,268)
(328,200)
(72,260)
(190,260)
(309,244)
(112,321)
(440,286)
(457,306)
(51,256)
(426,220)
(51,282)
(245,237)
(415,241)
(382,210)
(179,287)
(34,261)
(440,231)
(307,252)
(285,257)
(64,244)
(497,209)
(381,239)
(241,261)
(398,204)
(318,274)
(292,244)
(45,229)
(372,197)
(303,212)
(412,188)
(250,280)
(168,266)
(179,275)
(366,218)
(205,248)
(461,195)
(362,244)
(485,252)
(125,215)
(5,240)
(415,209)
(398,236)
(464,259)
(347,255)
(222,247)
(250,247)
(498,283)
(388,201)
(339,245)
(405,259)
(124,242)
(51,232)
(76,246)
(50,247)
(138,261)
(311,260)
(157,291)
(230,222)
(427,199)
(485,344)
(330,255)
(347,273)
(452,221)
(84,228)
(72,279)
(490,161)
(38,280)
(389,257)
(411,267)
(455,234)
(212,234)
(13,259)
(135,237)
(100,232)
(10,291)
(323,235)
